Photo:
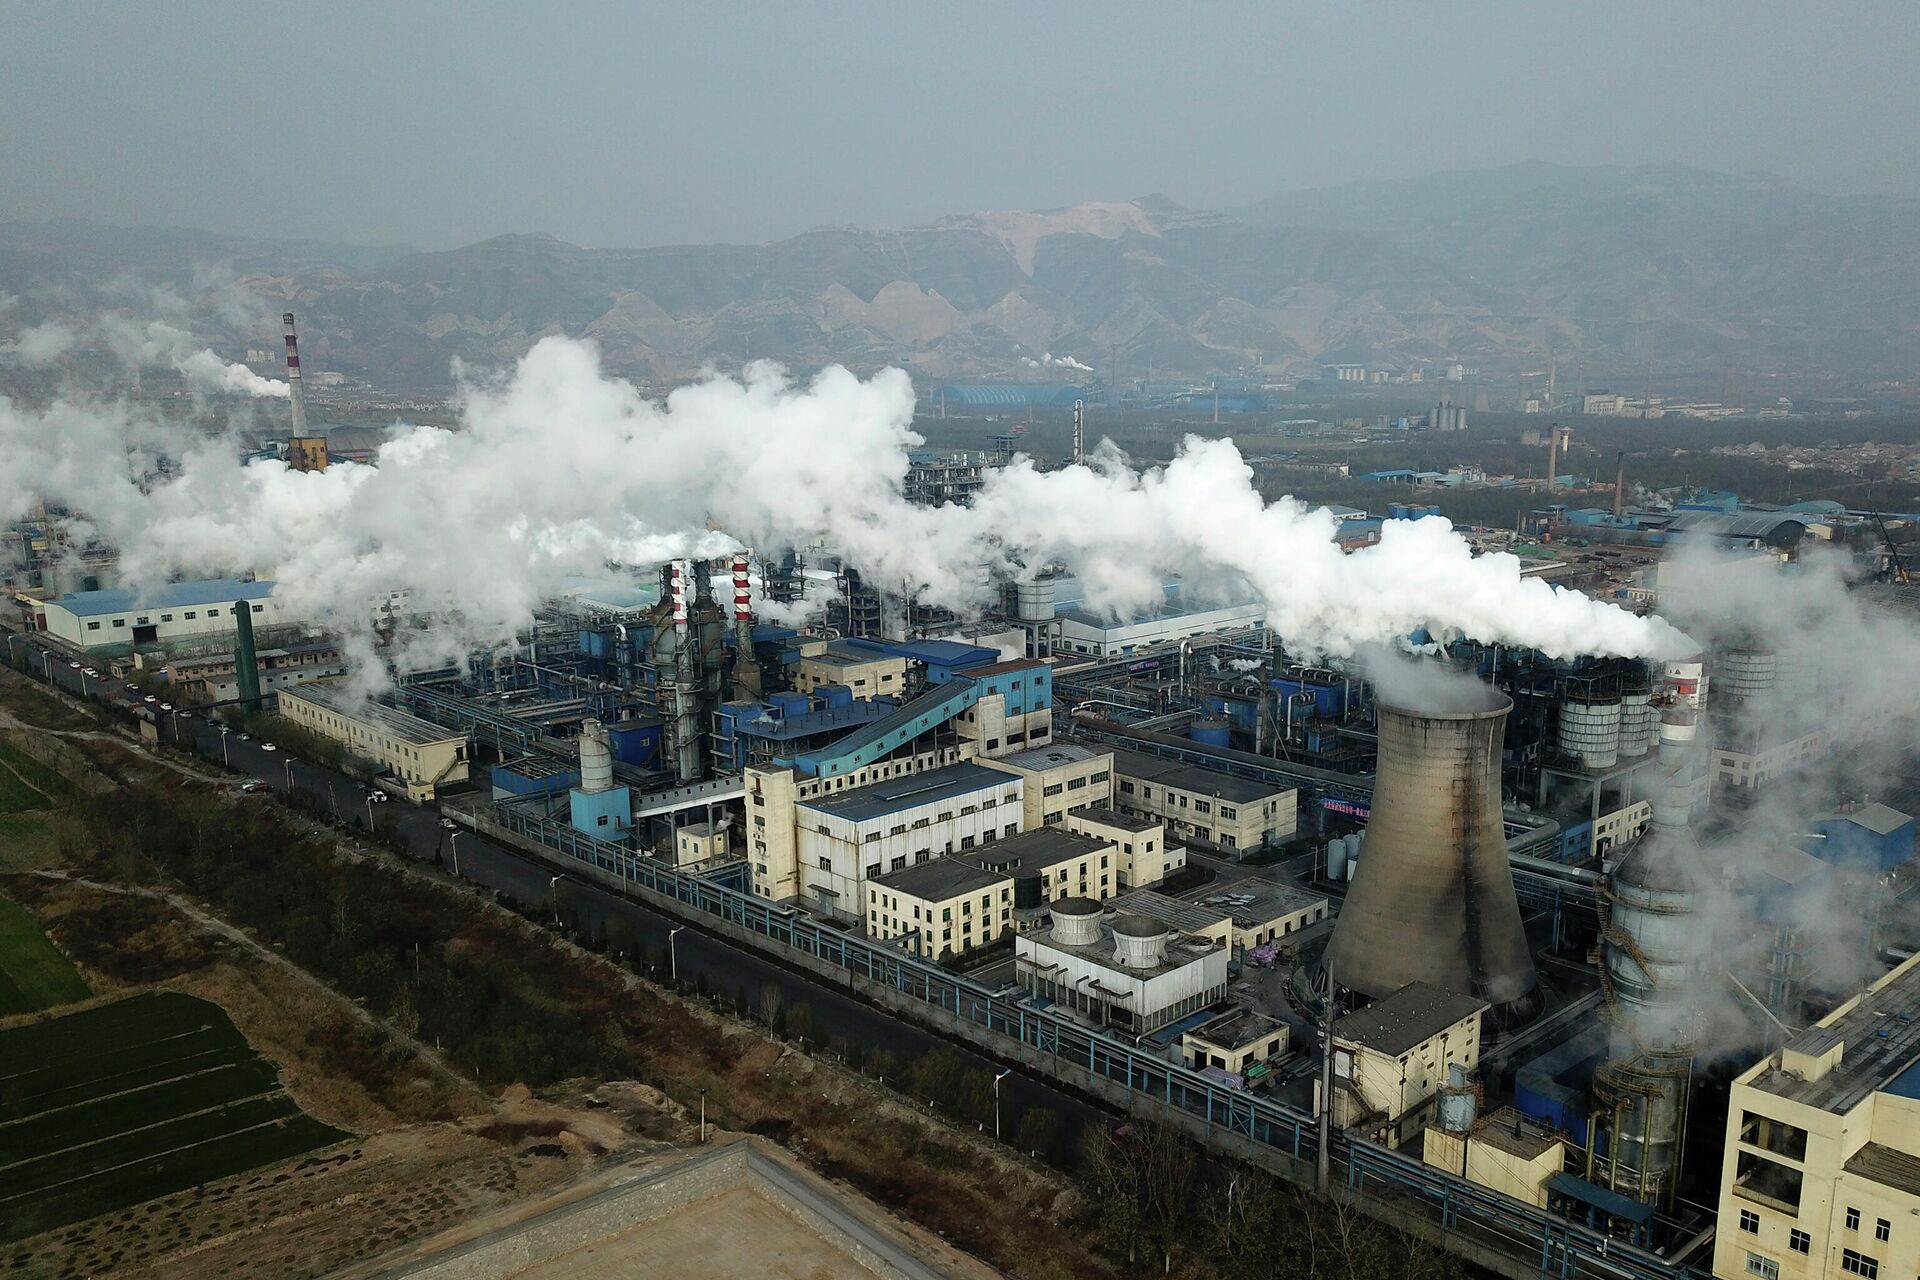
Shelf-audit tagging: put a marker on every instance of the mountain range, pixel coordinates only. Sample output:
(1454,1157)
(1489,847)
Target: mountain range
(1630,270)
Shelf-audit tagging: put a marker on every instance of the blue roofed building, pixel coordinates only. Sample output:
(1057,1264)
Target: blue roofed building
(1005,395)
(1873,838)
(176,613)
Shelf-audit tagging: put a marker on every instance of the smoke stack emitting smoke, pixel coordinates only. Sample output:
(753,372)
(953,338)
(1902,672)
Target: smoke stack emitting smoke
(559,470)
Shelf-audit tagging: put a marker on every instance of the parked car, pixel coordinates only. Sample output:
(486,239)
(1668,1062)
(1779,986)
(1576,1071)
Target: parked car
(449,824)
(74,665)
(268,746)
(246,737)
(149,698)
(254,786)
(95,674)
(377,796)
(166,706)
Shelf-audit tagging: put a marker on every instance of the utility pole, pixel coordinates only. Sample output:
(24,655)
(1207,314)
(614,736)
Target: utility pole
(1323,1156)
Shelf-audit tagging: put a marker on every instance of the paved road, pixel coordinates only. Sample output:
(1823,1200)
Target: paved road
(726,967)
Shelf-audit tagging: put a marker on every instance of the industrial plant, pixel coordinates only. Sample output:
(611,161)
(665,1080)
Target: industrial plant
(1614,951)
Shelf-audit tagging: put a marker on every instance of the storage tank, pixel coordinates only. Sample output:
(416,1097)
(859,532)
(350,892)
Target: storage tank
(1337,858)
(1433,898)
(1076,922)
(1590,730)
(1636,715)
(1743,676)
(1034,601)
(596,757)
(1138,942)
(1458,1103)
(1211,732)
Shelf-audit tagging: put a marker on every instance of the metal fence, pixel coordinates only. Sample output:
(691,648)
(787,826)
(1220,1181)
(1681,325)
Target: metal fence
(1562,1250)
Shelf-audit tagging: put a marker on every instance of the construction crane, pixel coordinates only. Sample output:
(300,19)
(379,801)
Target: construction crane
(1894,564)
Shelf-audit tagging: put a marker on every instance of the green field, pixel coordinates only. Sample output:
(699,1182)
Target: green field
(33,976)
(125,1102)
(16,796)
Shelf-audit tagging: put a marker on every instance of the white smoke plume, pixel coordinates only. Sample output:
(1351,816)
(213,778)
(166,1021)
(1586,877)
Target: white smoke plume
(157,343)
(559,470)
(44,343)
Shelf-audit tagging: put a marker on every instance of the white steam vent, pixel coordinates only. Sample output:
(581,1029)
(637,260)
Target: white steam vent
(596,757)
(1139,943)
(1076,922)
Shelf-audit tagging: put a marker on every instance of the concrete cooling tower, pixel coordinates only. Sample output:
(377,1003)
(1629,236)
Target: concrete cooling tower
(1433,899)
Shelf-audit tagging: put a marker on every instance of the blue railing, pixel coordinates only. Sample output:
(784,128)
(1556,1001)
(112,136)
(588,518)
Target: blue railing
(1563,1250)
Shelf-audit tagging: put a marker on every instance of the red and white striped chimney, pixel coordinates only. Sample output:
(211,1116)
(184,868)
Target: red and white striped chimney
(742,596)
(295,392)
(677,590)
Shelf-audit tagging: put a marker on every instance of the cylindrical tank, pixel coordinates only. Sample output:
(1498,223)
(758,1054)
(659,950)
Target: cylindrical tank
(1458,1103)
(1636,723)
(834,695)
(1076,922)
(1744,675)
(1034,600)
(1337,858)
(596,757)
(1139,943)
(1432,900)
(1590,731)
(1211,732)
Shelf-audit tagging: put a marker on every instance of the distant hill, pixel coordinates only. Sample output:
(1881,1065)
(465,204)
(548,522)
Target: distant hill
(1665,268)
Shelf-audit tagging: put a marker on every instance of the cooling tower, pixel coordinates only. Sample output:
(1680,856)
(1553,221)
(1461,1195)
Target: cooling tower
(1432,900)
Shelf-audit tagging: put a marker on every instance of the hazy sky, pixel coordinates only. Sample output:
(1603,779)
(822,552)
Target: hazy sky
(632,124)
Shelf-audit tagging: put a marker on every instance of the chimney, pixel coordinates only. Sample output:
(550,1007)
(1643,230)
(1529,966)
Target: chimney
(1433,899)
(1619,485)
(296,393)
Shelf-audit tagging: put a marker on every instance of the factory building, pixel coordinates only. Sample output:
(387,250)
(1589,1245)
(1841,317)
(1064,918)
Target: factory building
(1058,778)
(1821,1174)
(423,755)
(1132,973)
(1199,804)
(865,671)
(1046,865)
(175,614)
(699,843)
(1145,859)
(215,677)
(843,840)
(1508,1152)
(1391,1057)
(1238,1043)
(1078,631)
(1012,707)
(947,907)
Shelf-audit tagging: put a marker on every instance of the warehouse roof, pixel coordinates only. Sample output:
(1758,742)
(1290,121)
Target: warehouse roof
(1034,850)
(1410,1016)
(940,879)
(1007,395)
(1175,912)
(1108,817)
(94,604)
(1888,1166)
(1189,777)
(1877,818)
(332,696)
(1049,757)
(894,794)
(1768,526)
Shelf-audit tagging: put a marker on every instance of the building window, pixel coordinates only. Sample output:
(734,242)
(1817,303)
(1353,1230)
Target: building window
(192,614)
(119,622)
(873,870)
(1766,1268)
(1855,1263)
(1750,1221)
(93,626)
(1053,790)
(1799,1241)
(1882,1229)
(166,617)
(826,864)
(1853,1218)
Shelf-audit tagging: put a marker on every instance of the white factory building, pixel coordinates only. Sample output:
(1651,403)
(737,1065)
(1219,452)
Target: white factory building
(1078,631)
(1132,972)
(177,613)
(849,838)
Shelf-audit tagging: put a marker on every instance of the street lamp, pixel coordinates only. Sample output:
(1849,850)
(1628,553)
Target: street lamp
(333,804)
(703,1115)
(223,747)
(288,762)
(369,813)
(453,842)
(673,953)
(996,1100)
(553,895)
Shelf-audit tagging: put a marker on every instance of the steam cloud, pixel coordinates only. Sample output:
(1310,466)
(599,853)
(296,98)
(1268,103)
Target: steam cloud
(558,470)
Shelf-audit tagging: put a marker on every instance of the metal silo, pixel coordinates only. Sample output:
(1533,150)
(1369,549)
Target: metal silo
(1337,858)
(1433,898)
(1744,676)
(1636,715)
(1590,721)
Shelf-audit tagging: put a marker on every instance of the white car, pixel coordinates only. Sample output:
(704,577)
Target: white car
(377,797)
(149,698)
(268,746)
(90,671)
(166,706)
(74,665)
(246,737)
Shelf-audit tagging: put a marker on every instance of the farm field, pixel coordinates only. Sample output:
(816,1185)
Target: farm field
(117,1104)
(33,975)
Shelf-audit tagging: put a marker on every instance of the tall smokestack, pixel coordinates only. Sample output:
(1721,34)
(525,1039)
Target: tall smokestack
(1079,438)
(746,672)
(296,394)
(1619,485)
(1433,898)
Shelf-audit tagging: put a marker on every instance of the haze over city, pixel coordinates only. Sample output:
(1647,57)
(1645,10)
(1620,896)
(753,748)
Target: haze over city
(1051,642)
